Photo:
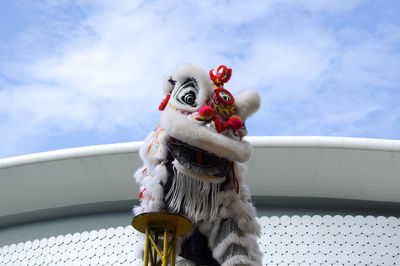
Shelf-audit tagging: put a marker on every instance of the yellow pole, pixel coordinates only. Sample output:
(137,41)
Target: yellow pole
(155,251)
(165,251)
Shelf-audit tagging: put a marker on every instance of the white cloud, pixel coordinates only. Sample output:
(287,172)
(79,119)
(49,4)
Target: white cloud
(105,73)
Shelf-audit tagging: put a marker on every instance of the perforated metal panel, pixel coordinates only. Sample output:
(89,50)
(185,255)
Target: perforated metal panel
(305,240)
(103,247)
(327,240)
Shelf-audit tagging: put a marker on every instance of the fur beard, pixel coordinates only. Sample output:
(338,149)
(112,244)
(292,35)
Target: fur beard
(196,199)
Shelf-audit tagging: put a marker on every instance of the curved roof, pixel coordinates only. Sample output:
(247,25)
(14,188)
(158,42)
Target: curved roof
(100,177)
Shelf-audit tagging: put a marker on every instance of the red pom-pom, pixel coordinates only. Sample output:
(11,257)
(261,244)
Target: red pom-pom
(236,123)
(164,102)
(206,112)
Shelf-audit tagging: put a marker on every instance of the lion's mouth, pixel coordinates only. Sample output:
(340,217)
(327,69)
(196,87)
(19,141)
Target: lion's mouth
(197,160)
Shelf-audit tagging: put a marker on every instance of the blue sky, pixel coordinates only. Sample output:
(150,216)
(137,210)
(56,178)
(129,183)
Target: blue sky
(88,72)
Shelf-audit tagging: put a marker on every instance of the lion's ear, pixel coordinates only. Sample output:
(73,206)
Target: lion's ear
(169,83)
(247,103)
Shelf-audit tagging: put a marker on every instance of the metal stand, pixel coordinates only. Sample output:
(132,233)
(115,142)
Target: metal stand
(157,226)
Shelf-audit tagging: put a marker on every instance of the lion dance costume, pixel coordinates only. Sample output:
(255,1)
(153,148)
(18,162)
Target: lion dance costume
(193,166)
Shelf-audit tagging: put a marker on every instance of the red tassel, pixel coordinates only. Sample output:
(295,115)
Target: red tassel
(141,194)
(164,102)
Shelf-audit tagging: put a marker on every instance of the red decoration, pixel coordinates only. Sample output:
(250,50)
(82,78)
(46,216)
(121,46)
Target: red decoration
(206,112)
(218,124)
(164,102)
(220,96)
(199,156)
(141,194)
(221,76)
(236,123)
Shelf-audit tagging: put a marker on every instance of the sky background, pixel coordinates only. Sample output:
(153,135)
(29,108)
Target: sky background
(79,73)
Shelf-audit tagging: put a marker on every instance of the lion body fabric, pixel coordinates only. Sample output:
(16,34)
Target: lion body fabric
(192,165)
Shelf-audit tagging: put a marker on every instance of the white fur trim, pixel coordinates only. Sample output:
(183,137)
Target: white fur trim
(180,75)
(154,151)
(238,206)
(246,242)
(184,262)
(181,127)
(243,213)
(216,224)
(240,260)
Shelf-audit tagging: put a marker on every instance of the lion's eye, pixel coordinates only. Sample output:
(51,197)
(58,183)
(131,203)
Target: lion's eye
(187,93)
(189,98)
(225,96)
